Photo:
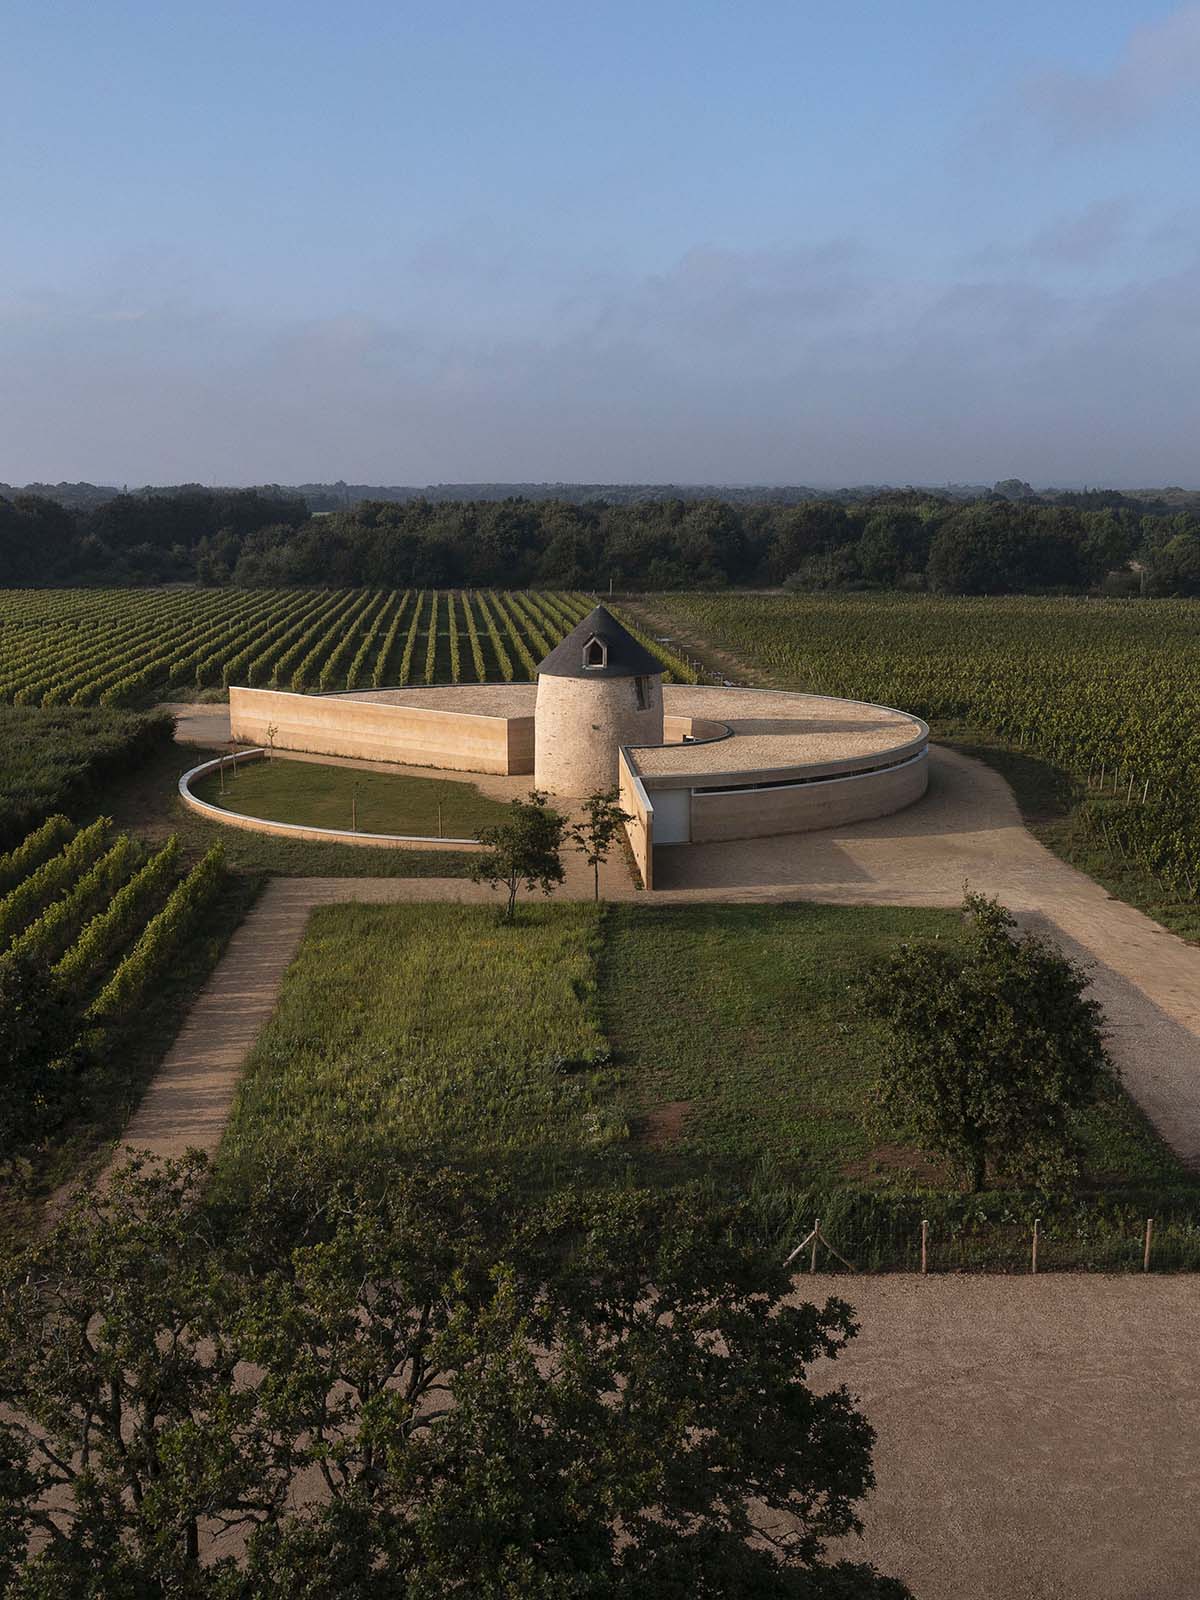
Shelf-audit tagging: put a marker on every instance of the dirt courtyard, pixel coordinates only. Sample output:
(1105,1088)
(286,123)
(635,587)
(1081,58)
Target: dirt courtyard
(1038,1438)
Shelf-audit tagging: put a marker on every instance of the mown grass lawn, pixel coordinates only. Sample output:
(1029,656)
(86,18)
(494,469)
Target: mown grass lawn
(628,1043)
(313,794)
(744,1039)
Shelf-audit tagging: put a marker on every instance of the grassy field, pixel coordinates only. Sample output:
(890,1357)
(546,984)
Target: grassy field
(624,1045)
(315,795)
(432,1031)
(744,1040)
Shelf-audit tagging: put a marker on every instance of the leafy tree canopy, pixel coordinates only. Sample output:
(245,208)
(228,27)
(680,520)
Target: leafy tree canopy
(427,1394)
(524,849)
(990,1049)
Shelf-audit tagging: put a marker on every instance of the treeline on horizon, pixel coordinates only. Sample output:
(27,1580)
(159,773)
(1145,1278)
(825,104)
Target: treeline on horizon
(1011,540)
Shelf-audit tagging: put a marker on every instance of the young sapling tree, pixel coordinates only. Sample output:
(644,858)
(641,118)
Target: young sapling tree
(525,848)
(597,831)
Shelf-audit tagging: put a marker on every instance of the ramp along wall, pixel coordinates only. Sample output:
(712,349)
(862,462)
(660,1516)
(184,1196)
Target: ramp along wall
(754,763)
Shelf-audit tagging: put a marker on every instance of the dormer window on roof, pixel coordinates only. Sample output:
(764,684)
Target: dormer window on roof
(595,653)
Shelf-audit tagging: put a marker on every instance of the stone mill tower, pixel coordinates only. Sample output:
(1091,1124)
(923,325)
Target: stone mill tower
(597,690)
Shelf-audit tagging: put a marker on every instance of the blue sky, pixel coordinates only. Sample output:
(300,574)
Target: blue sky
(762,242)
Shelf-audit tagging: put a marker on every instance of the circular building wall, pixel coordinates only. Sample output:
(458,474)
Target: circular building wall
(581,723)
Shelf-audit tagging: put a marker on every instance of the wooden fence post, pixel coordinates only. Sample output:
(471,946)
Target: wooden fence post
(1037,1223)
(1146,1250)
(924,1246)
(816,1239)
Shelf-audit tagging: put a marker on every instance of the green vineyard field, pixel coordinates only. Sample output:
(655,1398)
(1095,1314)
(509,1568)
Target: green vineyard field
(131,647)
(102,916)
(1110,690)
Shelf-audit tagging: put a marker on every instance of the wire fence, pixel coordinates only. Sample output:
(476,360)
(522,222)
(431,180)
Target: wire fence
(1042,1245)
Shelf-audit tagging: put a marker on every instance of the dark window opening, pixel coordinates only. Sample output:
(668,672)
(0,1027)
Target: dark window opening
(594,654)
(641,688)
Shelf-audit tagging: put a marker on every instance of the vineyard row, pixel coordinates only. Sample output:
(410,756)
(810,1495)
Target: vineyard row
(121,647)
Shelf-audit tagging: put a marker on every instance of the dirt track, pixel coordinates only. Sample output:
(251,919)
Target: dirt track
(1038,1438)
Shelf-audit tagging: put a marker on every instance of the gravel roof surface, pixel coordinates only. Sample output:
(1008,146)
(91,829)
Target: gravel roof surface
(775,728)
(475,699)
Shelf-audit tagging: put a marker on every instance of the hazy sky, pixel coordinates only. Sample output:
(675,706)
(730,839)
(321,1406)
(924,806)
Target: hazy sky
(638,240)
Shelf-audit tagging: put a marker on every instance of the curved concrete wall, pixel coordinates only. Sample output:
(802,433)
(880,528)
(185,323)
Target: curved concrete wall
(639,830)
(701,730)
(803,807)
(579,728)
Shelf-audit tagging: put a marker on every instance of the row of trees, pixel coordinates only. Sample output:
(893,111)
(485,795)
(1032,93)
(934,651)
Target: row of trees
(905,540)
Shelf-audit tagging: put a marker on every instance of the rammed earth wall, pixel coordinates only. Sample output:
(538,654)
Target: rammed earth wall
(337,725)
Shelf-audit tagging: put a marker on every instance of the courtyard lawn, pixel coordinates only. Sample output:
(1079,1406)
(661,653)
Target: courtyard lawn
(316,795)
(146,802)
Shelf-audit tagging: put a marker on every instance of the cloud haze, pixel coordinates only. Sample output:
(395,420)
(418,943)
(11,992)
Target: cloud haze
(473,246)
(820,365)
(1160,61)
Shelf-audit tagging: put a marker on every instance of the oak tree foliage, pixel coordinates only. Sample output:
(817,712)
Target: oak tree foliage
(426,1392)
(989,1049)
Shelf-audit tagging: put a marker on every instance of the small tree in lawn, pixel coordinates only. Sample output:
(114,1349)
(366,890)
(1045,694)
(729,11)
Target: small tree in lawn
(990,1049)
(597,830)
(525,848)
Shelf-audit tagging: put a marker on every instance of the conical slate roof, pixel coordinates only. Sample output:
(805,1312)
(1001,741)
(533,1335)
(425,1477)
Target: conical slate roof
(624,657)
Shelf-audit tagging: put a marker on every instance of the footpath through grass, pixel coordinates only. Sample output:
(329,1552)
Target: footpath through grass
(315,795)
(639,1044)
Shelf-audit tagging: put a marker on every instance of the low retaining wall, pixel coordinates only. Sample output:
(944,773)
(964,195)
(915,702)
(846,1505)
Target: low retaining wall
(335,725)
(293,830)
(696,730)
(804,807)
(640,830)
